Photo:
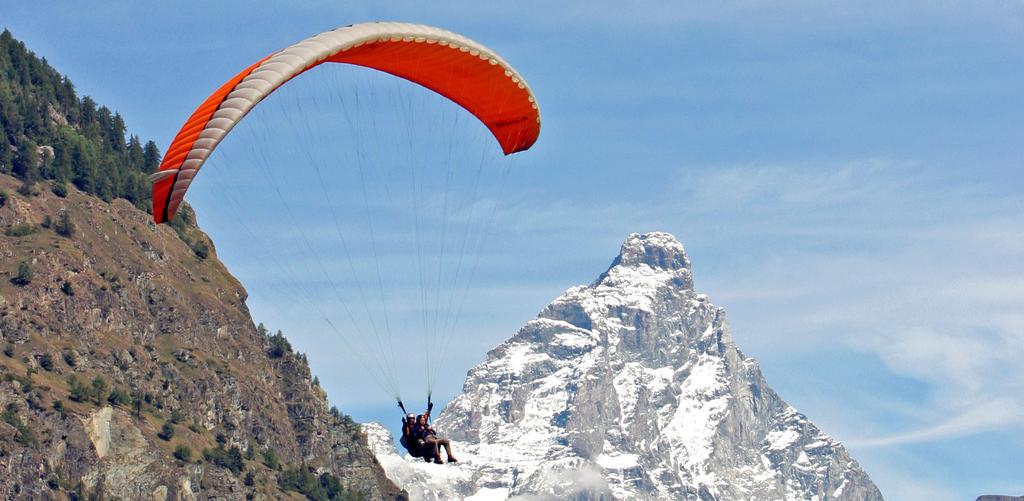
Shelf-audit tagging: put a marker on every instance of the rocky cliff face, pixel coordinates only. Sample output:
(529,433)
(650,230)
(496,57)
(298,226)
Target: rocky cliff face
(121,331)
(628,388)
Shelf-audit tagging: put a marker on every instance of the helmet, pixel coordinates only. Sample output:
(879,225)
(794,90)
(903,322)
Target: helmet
(410,417)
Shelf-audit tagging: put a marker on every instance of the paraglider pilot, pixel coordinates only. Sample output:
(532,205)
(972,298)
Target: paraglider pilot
(420,439)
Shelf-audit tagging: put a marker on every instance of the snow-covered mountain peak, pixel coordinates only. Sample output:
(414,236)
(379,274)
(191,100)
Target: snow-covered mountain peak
(657,250)
(649,260)
(650,268)
(631,388)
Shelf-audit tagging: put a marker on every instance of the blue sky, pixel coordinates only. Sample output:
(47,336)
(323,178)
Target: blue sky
(845,176)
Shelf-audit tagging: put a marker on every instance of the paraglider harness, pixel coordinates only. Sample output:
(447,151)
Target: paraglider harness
(415,446)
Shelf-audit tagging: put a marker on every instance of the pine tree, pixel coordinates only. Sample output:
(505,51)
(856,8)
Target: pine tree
(99,389)
(24,276)
(167,431)
(82,162)
(135,153)
(64,227)
(151,157)
(6,158)
(26,162)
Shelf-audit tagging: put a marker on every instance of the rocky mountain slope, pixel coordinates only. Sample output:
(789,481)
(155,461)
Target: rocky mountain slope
(628,388)
(128,351)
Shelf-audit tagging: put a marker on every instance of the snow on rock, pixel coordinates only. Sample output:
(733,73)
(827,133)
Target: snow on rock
(628,388)
(421,479)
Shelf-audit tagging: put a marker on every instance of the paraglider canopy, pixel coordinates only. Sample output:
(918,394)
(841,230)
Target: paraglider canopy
(408,126)
(454,66)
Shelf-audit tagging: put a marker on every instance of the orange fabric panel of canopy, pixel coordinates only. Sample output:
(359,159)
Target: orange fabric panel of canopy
(186,137)
(451,65)
(481,88)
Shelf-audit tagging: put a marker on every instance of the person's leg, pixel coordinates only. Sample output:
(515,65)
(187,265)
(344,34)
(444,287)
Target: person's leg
(432,443)
(447,449)
(423,448)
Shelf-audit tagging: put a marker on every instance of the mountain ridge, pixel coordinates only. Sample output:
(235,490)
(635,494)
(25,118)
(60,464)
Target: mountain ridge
(630,387)
(123,345)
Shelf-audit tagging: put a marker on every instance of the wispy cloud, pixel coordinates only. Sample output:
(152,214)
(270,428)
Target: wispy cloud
(985,416)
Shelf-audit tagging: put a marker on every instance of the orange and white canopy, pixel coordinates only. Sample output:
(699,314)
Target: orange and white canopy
(450,64)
